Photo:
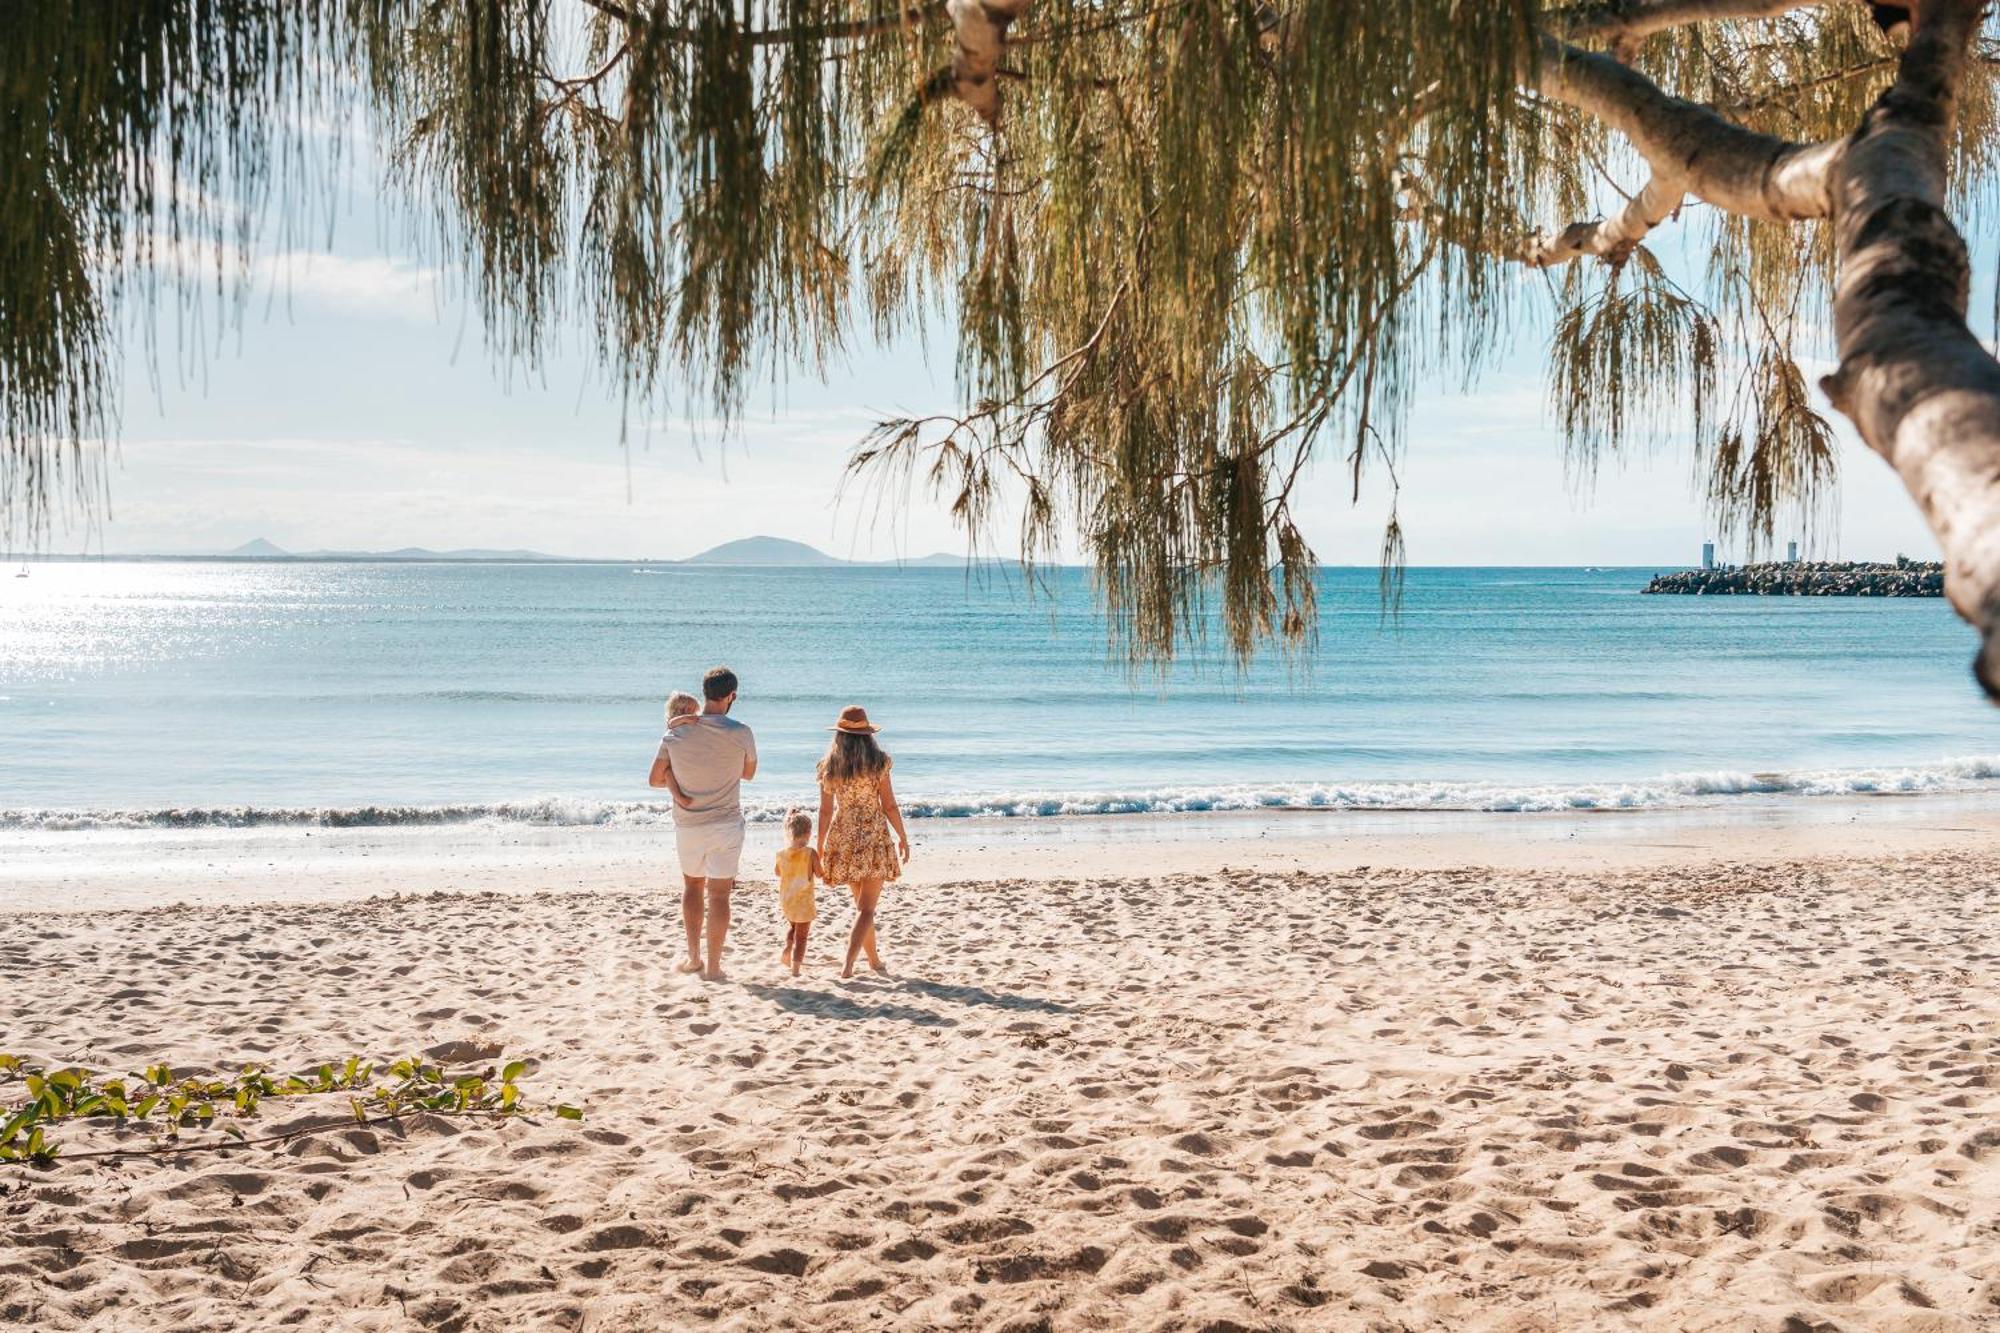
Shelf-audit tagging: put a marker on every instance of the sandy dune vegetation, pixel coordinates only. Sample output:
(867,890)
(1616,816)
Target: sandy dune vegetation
(1723,1097)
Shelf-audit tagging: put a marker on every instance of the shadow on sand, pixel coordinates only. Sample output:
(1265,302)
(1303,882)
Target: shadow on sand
(821,1004)
(979,995)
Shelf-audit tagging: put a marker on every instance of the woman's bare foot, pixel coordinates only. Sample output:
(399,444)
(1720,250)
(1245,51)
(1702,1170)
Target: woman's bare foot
(797,963)
(875,966)
(690,967)
(848,973)
(717,975)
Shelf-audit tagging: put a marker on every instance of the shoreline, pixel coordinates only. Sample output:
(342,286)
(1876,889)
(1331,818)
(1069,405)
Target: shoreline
(132,869)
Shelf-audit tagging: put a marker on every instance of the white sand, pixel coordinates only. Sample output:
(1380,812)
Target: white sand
(1677,1093)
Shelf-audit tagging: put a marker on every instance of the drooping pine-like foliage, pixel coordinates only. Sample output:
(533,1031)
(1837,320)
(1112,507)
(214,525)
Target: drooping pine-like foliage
(1190,248)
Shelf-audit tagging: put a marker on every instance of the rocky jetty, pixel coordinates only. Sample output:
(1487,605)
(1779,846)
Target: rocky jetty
(1815,578)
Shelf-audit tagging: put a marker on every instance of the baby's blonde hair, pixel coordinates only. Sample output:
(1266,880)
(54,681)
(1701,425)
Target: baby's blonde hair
(798,823)
(680,703)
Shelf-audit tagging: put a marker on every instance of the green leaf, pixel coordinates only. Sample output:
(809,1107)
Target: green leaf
(146,1105)
(514,1070)
(21,1120)
(569,1113)
(360,1112)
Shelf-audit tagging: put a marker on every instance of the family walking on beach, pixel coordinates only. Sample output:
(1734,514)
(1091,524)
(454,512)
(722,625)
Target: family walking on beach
(706,756)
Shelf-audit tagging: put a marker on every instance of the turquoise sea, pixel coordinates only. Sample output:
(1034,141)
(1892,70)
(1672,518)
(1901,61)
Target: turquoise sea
(135,694)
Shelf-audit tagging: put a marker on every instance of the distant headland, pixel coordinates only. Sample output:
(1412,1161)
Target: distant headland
(1811,578)
(767,552)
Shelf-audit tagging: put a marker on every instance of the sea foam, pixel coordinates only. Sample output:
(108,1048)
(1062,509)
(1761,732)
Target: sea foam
(1975,773)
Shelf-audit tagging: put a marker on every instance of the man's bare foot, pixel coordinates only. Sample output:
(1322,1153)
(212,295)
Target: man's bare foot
(689,968)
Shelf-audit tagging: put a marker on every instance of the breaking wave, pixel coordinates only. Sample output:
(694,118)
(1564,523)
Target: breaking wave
(1670,790)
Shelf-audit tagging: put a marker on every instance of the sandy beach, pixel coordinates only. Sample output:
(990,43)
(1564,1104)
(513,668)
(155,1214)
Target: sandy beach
(1743,1078)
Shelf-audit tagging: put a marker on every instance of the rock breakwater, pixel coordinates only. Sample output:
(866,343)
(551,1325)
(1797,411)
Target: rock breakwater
(1818,578)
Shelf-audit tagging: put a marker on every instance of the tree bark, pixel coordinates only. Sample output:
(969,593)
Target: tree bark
(1631,19)
(1915,381)
(1752,174)
(1613,237)
(980,27)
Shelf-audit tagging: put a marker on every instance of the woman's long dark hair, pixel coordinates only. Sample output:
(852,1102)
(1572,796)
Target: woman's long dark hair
(852,754)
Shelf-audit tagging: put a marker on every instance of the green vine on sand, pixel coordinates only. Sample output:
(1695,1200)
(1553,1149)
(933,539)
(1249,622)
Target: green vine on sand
(165,1104)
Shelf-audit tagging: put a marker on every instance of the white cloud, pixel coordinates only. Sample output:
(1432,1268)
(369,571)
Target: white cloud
(372,287)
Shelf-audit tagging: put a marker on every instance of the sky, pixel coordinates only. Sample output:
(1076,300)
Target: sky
(352,404)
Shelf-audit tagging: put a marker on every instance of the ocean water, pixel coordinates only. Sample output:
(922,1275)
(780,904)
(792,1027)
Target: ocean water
(174,694)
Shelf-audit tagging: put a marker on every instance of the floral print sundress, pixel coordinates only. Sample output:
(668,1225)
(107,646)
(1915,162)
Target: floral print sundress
(859,843)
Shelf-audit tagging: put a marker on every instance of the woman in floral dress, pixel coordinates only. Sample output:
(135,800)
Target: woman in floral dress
(857,814)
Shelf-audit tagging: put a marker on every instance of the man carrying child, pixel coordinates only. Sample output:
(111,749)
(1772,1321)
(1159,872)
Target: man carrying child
(704,763)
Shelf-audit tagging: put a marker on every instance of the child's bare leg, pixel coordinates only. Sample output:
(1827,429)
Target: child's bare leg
(791,933)
(800,930)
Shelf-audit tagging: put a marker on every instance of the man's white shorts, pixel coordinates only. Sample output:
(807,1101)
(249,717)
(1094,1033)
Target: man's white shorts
(710,851)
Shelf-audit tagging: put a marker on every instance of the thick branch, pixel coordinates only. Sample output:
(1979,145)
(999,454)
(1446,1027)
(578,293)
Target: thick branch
(840,31)
(1916,382)
(1631,19)
(1613,237)
(980,27)
(1739,170)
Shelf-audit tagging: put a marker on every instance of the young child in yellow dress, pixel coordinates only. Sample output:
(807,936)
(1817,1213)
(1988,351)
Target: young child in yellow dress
(797,867)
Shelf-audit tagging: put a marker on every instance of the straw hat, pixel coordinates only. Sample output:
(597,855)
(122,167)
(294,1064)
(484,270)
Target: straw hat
(854,721)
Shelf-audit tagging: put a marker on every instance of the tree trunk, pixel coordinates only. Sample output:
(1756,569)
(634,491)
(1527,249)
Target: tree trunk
(1915,381)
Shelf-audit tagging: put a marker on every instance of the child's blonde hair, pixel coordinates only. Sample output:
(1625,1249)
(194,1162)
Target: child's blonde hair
(798,823)
(680,703)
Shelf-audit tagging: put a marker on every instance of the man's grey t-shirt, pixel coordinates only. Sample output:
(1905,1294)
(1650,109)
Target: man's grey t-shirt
(708,758)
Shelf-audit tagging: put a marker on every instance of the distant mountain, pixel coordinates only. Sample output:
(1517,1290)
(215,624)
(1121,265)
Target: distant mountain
(946,560)
(425,553)
(762,551)
(773,552)
(780,551)
(260,549)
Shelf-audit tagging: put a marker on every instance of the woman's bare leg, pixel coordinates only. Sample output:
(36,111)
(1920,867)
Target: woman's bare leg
(865,893)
